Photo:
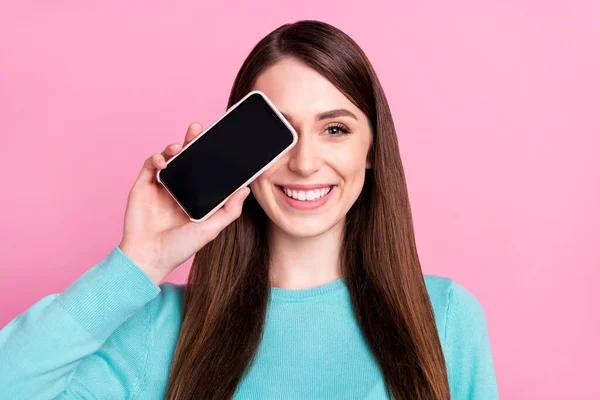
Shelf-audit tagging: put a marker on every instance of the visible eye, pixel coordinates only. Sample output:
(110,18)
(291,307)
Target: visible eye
(337,129)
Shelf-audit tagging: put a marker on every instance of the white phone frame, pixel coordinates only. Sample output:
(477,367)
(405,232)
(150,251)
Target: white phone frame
(273,161)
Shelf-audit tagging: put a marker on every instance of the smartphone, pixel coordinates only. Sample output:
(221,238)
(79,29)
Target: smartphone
(245,141)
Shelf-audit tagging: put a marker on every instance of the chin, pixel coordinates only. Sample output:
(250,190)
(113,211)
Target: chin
(305,227)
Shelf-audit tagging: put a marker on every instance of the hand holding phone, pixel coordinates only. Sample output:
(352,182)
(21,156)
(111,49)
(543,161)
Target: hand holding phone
(232,152)
(157,235)
(205,182)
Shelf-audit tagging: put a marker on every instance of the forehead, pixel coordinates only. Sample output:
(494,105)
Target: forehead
(300,91)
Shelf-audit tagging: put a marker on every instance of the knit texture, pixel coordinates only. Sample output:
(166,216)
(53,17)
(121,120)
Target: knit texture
(112,335)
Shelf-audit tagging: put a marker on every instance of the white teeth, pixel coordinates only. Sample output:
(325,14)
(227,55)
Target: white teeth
(306,195)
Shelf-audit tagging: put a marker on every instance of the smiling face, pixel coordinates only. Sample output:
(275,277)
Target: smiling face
(311,188)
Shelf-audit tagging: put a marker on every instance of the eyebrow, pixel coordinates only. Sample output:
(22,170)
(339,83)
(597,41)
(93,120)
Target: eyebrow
(340,112)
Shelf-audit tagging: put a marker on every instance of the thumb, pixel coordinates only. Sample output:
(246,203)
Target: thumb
(210,228)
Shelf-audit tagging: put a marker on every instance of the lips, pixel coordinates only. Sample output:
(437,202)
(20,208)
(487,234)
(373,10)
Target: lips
(306,197)
(306,194)
(308,187)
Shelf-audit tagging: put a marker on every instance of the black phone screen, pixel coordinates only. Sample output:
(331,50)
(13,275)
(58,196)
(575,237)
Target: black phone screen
(228,154)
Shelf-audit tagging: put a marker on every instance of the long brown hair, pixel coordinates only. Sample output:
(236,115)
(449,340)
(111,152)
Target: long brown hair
(225,300)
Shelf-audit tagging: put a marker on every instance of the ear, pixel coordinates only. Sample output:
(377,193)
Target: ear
(369,165)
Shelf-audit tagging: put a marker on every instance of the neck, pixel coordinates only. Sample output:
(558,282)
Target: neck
(304,262)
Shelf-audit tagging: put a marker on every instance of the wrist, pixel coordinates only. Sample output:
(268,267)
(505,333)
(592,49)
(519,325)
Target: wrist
(155,274)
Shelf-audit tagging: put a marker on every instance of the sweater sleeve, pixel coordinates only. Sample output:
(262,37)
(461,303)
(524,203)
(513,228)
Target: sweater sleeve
(468,351)
(42,347)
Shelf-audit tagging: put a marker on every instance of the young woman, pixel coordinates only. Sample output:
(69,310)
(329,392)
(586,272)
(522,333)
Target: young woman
(312,291)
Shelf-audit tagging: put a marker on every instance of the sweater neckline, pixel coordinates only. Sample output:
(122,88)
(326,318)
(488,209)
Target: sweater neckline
(313,293)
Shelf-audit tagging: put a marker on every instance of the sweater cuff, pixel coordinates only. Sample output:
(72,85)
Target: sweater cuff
(108,294)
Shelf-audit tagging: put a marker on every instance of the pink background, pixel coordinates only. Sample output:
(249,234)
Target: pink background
(497,110)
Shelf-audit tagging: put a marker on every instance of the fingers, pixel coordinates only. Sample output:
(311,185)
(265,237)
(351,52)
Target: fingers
(159,160)
(231,210)
(194,130)
(171,150)
(233,207)
(223,217)
(150,166)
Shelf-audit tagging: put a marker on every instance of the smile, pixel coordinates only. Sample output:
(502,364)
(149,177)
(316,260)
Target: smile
(306,197)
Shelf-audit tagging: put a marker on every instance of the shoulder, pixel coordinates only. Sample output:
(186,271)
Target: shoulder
(453,306)
(464,337)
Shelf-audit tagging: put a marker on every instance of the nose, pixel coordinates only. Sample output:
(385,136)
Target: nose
(304,156)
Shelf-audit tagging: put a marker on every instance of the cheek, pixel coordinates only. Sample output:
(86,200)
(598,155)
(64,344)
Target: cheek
(351,161)
(254,187)
(258,186)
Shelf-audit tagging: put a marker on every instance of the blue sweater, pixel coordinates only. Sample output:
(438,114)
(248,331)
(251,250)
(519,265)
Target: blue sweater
(112,334)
